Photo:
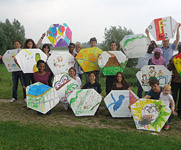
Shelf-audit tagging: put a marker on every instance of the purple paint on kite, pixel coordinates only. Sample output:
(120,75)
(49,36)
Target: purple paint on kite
(61,43)
(55,25)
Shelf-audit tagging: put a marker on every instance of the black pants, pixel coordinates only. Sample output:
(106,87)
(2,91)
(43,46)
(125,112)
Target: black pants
(109,83)
(176,87)
(27,78)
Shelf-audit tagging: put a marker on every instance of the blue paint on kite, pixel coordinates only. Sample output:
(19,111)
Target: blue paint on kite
(39,89)
(117,104)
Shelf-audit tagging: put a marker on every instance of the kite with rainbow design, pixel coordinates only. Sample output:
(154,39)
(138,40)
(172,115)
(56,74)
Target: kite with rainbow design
(41,97)
(150,114)
(88,58)
(135,46)
(59,35)
(177,63)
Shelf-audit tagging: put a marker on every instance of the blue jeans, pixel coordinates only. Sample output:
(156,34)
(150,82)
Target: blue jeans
(15,78)
(139,90)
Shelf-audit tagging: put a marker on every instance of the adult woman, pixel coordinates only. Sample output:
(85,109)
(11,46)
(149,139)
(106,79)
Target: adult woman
(120,82)
(157,59)
(72,73)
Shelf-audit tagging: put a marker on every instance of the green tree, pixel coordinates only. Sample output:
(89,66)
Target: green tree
(114,34)
(10,32)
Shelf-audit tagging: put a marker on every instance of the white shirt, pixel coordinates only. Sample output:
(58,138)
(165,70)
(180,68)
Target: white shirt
(166,99)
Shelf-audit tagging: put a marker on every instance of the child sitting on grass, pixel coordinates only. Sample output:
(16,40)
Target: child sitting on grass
(167,98)
(92,84)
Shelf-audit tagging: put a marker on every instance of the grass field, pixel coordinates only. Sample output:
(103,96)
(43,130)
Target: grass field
(24,129)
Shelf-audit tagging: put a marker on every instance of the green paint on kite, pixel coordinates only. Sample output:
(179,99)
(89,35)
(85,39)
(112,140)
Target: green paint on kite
(161,116)
(76,96)
(112,70)
(132,39)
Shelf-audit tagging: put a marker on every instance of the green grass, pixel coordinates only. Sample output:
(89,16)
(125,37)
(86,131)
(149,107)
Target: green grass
(16,136)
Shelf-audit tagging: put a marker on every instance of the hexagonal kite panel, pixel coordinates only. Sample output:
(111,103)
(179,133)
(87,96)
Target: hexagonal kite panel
(28,58)
(41,97)
(153,71)
(118,102)
(150,114)
(59,35)
(163,28)
(84,102)
(8,59)
(177,63)
(88,58)
(64,86)
(111,62)
(60,62)
(135,46)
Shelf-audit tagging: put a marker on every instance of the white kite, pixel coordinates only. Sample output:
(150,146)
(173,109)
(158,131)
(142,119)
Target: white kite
(119,101)
(135,46)
(64,86)
(111,62)
(41,97)
(28,58)
(84,102)
(148,72)
(8,59)
(60,62)
(163,28)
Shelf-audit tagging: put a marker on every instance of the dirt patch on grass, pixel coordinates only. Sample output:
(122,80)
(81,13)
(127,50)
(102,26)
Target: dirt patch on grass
(18,112)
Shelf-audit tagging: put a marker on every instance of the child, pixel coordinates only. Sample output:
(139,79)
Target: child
(41,75)
(168,100)
(92,84)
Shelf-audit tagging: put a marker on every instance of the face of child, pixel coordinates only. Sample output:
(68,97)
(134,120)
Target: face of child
(92,77)
(157,55)
(113,46)
(119,77)
(72,73)
(93,43)
(41,67)
(155,88)
(46,50)
(166,91)
(17,45)
(29,44)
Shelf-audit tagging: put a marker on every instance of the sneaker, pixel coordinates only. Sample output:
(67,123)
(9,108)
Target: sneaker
(167,127)
(12,100)
(25,100)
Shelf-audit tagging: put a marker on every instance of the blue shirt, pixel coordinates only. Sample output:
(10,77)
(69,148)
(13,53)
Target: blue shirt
(153,94)
(168,53)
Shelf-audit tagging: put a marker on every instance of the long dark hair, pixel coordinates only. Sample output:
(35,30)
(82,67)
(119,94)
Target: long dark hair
(123,82)
(26,42)
(44,46)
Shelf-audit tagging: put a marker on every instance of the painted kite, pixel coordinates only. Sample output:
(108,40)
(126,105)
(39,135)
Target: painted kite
(163,28)
(111,62)
(59,35)
(150,114)
(88,58)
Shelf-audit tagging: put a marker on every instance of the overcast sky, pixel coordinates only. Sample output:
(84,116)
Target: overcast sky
(87,18)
